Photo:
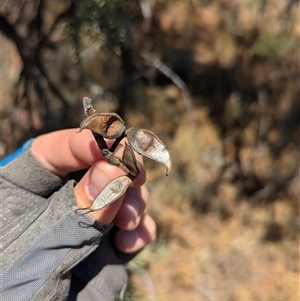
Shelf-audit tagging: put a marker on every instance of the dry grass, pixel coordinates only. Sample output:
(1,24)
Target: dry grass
(213,243)
(205,258)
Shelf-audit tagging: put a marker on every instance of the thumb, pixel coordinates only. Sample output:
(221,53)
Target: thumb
(90,186)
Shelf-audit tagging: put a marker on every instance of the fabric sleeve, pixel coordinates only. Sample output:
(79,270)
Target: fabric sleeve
(43,238)
(25,172)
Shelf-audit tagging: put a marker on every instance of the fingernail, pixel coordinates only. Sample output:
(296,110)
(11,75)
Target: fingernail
(128,238)
(118,153)
(131,209)
(98,179)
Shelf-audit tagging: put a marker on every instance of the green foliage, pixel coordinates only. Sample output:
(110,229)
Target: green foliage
(269,44)
(103,22)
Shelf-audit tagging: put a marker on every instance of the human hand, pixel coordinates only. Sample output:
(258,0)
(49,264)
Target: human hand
(67,151)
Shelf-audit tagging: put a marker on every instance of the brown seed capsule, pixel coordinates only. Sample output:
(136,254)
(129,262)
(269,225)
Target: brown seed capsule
(130,161)
(108,125)
(148,144)
(112,191)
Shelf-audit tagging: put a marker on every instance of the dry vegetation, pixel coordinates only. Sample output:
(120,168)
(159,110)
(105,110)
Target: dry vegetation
(228,214)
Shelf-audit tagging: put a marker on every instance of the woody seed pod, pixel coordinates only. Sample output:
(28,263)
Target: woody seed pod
(148,144)
(130,161)
(108,125)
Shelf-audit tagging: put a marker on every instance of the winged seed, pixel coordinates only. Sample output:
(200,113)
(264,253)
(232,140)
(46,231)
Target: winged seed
(111,192)
(148,144)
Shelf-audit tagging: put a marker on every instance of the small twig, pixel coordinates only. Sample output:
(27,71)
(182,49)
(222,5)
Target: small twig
(88,107)
(116,143)
(263,102)
(169,73)
(177,81)
(108,154)
(134,268)
(147,7)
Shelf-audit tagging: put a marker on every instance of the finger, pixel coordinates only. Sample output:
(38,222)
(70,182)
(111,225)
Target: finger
(90,186)
(135,240)
(66,151)
(132,208)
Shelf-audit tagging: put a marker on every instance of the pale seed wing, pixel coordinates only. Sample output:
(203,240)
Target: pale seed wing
(111,192)
(148,144)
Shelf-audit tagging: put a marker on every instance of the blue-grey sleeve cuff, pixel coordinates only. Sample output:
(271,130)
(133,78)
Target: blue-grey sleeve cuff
(25,172)
(17,153)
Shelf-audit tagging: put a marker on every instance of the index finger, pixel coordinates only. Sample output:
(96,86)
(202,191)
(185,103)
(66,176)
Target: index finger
(66,151)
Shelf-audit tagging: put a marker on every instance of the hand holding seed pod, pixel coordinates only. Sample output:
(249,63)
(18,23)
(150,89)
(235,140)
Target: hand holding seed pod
(144,142)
